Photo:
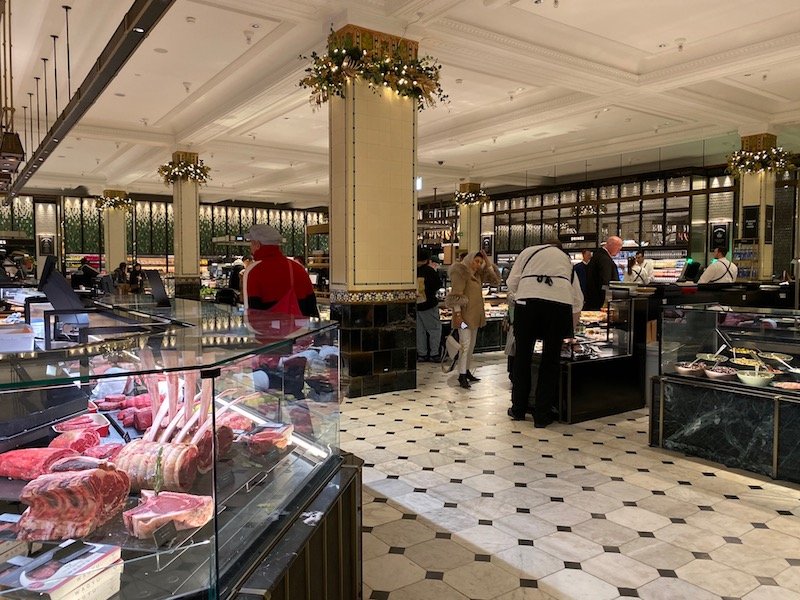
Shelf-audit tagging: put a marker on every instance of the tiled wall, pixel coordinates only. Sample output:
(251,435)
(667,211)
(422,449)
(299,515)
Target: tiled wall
(378,347)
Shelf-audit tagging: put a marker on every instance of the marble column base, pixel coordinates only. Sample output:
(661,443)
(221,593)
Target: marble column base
(378,346)
(187,287)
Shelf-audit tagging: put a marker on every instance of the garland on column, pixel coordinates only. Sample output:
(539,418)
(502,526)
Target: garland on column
(470,197)
(181,170)
(774,160)
(328,74)
(123,202)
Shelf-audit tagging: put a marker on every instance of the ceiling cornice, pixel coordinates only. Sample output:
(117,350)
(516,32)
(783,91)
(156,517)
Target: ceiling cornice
(724,63)
(534,52)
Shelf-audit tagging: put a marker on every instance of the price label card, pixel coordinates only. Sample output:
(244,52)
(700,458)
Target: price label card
(165,535)
(225,478)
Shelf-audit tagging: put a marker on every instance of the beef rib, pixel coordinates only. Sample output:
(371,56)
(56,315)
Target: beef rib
(186,510)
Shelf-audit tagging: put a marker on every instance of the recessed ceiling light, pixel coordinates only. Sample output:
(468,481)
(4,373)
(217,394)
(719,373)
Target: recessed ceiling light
(748,74)
(160,50)
(255,25)
(138,30)
(119,94)
(662,45)
(459,81)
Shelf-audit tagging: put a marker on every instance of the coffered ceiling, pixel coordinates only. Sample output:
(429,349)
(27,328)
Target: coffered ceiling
(536,91)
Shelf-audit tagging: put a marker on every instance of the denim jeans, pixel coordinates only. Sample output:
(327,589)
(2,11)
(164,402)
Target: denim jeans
(428,326)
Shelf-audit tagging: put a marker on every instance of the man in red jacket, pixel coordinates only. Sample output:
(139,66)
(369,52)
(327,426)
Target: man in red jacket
(273,282)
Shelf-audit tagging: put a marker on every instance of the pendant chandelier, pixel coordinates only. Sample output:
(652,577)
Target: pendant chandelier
(11,151)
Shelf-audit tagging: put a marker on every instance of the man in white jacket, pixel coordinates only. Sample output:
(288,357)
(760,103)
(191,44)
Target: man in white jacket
(547,302)
(720,270)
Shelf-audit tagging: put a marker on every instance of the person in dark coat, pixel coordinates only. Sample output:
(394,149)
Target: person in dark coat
(600,271)
(136,280)
(429,327)
(580,269)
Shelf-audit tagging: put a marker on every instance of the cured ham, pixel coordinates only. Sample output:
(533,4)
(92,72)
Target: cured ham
(78,440)
(30,463)
(187,511)
(72,504)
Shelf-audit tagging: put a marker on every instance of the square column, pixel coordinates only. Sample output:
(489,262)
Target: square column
(753,251)
(115,235)
(186,232)
(373,237)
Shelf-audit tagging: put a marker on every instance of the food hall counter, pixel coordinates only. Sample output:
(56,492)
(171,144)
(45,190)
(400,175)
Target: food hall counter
(184,461)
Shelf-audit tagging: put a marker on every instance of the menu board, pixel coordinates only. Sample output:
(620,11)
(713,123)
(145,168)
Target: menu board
(750,222)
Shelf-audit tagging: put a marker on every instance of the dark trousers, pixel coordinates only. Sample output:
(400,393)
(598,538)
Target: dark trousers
(550,322)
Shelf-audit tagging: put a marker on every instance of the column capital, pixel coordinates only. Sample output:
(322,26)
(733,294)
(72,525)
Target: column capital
(115,194)
(375,43)
(469,186)
(182,156)
(759,141)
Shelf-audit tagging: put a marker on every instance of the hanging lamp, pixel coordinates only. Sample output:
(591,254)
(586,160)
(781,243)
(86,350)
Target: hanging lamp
(12,153)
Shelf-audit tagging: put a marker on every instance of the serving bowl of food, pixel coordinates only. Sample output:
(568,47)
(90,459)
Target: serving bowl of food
(721,373)
(756,378)
(712,358)
(690,368)
(776,356)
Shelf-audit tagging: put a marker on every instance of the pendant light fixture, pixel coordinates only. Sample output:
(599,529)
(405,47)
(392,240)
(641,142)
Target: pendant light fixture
(12,153)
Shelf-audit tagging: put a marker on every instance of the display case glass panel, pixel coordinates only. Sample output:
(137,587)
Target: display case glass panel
(209,427)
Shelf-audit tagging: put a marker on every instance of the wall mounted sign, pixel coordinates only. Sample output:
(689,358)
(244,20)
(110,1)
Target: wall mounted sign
(46,245)
(578,238)
(719,235)
(769,224)
(750,222)
(487,245)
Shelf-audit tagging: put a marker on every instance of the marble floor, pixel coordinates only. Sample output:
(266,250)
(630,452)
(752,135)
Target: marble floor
(462,503)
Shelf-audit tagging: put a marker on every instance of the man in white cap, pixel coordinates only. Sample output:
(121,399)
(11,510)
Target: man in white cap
(273,282)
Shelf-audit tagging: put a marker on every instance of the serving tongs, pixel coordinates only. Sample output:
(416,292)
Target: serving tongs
(789,368)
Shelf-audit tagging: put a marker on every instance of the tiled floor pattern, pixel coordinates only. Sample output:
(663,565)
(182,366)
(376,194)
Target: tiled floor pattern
(461,502)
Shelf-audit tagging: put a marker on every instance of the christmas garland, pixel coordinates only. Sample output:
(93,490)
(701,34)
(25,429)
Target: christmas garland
(775,160)
(470,197)
(173,172)
(123,202)
(329,73)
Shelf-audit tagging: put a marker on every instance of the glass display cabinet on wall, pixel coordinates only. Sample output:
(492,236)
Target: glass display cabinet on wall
(655,211)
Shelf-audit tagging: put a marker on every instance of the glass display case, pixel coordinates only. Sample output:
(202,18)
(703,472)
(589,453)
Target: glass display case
(166,461)
(730,388)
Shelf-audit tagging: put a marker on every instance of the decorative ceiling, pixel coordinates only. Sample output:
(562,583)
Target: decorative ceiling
(536,92)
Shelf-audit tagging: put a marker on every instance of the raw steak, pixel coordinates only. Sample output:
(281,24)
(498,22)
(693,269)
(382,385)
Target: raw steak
(206,451)
(72,504)
(29,463)
(178,463)
(268,439)
(78,463)
(125,416)
(142,419)
(140,401)
(108,405)
(236,422)
(82,422)
(107,451)
(78,440)
(186,510)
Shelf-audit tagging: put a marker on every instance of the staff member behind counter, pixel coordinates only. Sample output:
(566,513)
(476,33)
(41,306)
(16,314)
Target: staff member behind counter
(720,270)
(547,301)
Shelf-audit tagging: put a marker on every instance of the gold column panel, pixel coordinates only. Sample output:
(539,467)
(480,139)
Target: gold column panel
(375,43)
(186,211)
(469,238)
(759,141)
(373,201)
(115,234)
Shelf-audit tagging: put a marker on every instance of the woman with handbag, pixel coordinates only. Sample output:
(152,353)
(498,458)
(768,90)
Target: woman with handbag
(465,298)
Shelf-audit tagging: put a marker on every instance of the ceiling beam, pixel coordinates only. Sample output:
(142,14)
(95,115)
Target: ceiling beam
(130,33)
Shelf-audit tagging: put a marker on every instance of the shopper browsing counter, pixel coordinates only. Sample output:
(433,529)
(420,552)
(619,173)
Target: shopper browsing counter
(600,271)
